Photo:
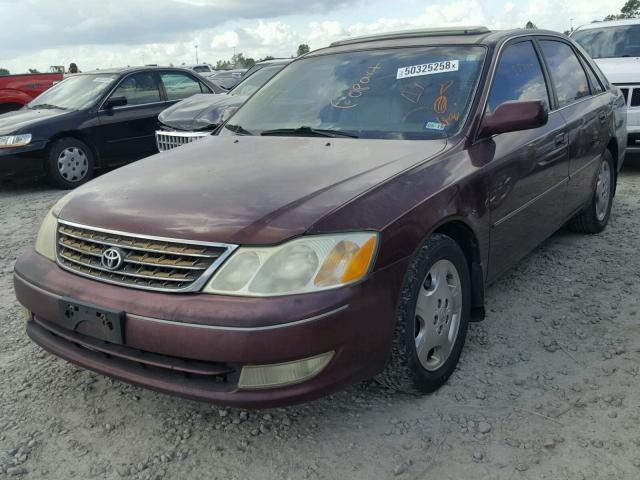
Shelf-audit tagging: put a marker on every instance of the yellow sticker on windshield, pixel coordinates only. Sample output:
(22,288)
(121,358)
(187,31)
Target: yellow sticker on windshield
(427,69)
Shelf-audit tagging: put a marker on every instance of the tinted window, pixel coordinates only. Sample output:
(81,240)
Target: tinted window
(518,77)
(179,85)
(396,93)
(567,73)
(607,42)
(139,88)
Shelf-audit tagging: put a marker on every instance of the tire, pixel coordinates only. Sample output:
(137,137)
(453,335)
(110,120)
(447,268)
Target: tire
(425,294)
(70,163)
(595,216)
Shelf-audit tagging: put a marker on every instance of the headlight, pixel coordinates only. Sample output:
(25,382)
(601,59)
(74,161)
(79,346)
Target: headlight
(306,264)
(8,141)
(46,241)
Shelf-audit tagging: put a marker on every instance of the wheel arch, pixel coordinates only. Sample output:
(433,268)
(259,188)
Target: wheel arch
(463,234)
(612,146)
(78,136)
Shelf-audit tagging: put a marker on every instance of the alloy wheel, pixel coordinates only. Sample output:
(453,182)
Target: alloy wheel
(603,187)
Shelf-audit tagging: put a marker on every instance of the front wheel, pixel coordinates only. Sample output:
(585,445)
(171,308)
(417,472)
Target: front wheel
(70,163)
(432,318)
(595,216)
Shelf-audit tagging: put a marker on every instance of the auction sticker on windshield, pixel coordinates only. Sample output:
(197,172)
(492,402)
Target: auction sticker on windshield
(427,69)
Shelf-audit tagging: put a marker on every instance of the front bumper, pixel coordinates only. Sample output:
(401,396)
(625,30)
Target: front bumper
(194,345)
(22,161)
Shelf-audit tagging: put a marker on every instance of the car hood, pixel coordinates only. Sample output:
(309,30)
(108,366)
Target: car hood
(242,190)
(620,70)
(203,111)
(19,121)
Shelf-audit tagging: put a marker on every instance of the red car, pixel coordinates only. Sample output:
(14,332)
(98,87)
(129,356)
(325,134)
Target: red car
(343,223)
(18,90)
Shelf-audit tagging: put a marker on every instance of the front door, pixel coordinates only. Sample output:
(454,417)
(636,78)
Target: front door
(529,170)
(128,132)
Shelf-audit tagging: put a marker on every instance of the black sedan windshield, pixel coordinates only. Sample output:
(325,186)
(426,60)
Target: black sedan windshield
(74,93)
(407,93)
(610,42)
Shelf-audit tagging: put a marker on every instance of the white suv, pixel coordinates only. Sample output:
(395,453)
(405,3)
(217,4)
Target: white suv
(615,46)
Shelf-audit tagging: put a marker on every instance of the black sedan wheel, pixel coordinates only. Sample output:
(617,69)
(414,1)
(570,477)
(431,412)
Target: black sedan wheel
(70,163)
(432,318)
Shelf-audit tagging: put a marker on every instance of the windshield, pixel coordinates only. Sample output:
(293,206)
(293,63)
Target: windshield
(610,42)
(254,81)
(74,93)
(407,93)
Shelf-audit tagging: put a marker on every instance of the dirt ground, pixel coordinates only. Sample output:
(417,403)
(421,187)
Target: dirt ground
(547,388)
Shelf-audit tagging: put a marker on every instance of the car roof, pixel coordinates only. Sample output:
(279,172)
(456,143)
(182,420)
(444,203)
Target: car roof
(123,70)
(609,23)
(275,61)
(435,36)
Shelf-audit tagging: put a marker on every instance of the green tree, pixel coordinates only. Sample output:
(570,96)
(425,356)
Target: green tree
(530,25)
(631,9)
(303,48)
(4,71)
(33,70)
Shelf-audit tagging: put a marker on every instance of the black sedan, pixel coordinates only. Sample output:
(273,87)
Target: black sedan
(92,120)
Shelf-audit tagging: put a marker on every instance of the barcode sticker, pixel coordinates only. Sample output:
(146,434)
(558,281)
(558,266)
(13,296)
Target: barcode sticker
(427,69)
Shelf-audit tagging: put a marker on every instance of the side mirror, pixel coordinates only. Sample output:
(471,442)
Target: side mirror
(513,117)
(115,102)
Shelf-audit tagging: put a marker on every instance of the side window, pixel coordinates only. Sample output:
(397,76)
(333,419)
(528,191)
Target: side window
(596,86)
(518,77)
(565,69)
(139,88)
(179,85)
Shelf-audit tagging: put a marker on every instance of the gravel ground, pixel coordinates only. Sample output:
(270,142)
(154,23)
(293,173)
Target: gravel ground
(547,388)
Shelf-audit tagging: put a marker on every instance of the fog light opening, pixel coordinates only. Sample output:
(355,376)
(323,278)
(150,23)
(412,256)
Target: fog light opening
(282,374)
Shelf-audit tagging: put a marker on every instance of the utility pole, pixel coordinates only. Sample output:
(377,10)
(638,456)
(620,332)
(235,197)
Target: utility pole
(196,54)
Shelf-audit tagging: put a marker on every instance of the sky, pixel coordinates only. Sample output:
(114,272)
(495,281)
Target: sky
(111,33)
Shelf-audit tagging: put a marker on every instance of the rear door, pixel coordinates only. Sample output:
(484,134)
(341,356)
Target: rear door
(529,168)
(586,107)
(128,132)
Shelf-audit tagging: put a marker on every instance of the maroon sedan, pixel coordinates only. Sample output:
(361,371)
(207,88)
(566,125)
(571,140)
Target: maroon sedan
(343,223)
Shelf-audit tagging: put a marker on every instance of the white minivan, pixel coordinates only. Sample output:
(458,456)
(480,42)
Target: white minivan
(615,46)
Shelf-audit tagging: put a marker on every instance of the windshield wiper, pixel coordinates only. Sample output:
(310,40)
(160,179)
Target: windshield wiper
(307,131)
(46,105)
(238,129)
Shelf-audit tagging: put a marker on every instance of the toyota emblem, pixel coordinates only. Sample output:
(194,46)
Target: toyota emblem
(112,258)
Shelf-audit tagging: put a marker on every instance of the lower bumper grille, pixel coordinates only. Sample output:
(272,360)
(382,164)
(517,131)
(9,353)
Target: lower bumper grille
(190,378)
(167,140)
(139,262)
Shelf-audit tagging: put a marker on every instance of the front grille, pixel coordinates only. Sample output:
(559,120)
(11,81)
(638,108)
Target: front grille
(147,262)
(631,94)
(166,140)
(633,140)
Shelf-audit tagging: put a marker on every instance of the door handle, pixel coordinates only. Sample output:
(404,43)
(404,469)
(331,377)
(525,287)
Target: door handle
(602,115)
(559,139)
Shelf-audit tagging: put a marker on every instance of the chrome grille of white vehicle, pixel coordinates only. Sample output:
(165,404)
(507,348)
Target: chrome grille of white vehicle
(143,262)
(631,94)
(166,140)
